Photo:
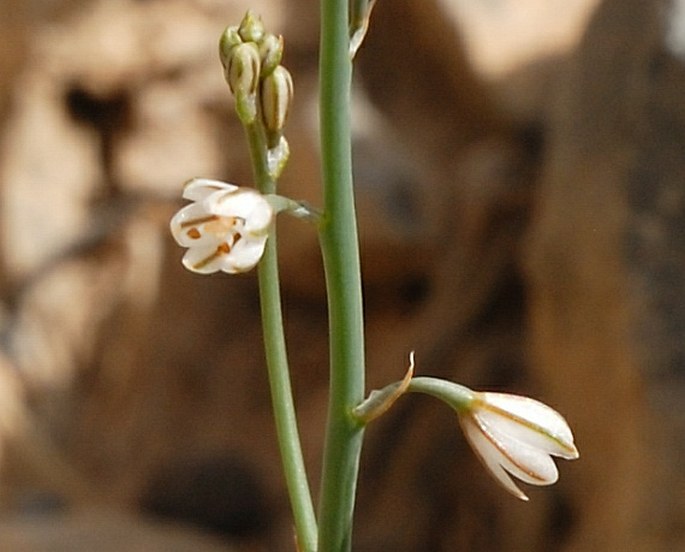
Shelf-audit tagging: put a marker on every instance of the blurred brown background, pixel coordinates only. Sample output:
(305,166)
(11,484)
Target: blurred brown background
(520,168)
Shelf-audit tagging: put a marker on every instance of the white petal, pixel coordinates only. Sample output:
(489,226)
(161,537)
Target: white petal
(203,260)
(529,421)
(179,223)
(518,431)
(244,203)
(198,189)
(189,227)
(244,255)
(529,464)
(489,455)
(259,221)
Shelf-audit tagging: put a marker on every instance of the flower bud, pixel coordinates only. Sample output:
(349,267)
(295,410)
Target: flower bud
(242,70)
(276,96)
(271,52)
(229,40)
(251,28)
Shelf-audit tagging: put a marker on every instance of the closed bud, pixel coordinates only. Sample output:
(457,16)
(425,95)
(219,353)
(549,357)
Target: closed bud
(229,40)
(271,52)
(251,28)
(242,70)
(276,96)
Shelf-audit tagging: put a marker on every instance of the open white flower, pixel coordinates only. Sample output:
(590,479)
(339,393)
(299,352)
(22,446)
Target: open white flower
(225,228)
(518,436)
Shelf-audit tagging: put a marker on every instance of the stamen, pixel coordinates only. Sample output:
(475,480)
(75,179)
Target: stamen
(223,249)
(194,234)
(198,221)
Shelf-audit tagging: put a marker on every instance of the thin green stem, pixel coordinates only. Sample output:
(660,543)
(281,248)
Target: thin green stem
(277,364)
(340,248)
(457,396)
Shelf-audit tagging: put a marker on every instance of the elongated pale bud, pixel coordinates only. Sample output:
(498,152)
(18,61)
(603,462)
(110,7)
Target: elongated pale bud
(242,75)
(251,28)
(271,52)
(242,70)
(276,97)
(229,40)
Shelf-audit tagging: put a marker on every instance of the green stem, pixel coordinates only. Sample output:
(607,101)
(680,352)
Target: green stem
(277,364)
(457,396)
(340,248)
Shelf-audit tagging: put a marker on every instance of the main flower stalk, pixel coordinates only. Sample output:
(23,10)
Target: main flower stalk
(340,248)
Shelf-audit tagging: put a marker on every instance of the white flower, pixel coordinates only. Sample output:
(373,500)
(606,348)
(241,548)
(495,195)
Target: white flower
(518,435)
(225,228)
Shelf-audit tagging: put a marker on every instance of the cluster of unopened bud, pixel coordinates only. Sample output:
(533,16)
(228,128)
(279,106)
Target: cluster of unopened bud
(262,87)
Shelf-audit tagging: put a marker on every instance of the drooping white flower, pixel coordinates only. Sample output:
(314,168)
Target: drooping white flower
(518,436)
(511,434)
(225,228)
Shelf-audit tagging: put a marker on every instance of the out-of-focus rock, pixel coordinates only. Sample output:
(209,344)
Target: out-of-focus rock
(607,265)
(105,532)
(502,36)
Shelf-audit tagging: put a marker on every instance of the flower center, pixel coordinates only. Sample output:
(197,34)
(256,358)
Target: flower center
(219,227)
(225,230)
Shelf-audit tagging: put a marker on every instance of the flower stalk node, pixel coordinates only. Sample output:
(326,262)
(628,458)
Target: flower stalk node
(360,14)
(298,209)
(379,401)
(277,158)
